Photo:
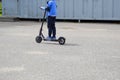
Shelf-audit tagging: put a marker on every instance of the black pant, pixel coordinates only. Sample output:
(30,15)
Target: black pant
(51,26)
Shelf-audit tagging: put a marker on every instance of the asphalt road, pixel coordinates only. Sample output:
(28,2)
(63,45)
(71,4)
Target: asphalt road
(91,52)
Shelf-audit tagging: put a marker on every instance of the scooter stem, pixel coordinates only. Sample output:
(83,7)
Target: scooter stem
(40,33)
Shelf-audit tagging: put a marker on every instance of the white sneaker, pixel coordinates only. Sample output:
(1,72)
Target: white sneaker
(53,38)
(48,38)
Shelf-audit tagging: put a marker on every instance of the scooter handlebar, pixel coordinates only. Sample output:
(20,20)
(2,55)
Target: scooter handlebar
(43,8)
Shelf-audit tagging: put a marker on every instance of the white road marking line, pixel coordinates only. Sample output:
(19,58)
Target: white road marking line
(38,52)
(17,34)
(115,56)
(11,69)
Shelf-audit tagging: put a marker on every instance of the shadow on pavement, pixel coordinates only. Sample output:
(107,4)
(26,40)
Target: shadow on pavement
(67,44)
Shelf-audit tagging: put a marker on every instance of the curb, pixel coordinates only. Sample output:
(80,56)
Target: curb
(8,19)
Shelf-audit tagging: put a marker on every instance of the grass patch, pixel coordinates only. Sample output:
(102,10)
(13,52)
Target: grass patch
(0,8)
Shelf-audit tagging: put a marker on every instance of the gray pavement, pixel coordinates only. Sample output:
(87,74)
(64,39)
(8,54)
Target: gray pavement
(91,52)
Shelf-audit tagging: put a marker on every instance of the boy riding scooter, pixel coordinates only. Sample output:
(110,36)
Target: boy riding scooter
(51,17)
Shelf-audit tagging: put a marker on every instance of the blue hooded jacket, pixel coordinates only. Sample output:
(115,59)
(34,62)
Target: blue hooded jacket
(52,5)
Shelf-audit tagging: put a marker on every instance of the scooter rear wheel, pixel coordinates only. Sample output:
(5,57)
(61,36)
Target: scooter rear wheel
(38,39)
(61,40)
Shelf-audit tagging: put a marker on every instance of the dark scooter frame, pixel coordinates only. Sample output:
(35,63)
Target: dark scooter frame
(41,37)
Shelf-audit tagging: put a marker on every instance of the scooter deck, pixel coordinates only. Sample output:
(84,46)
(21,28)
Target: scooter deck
(50,40)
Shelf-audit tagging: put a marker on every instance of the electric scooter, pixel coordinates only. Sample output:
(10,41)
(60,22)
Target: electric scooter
(41,37)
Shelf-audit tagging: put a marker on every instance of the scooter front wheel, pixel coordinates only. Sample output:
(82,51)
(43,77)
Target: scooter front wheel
(38,39)
(61,40)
